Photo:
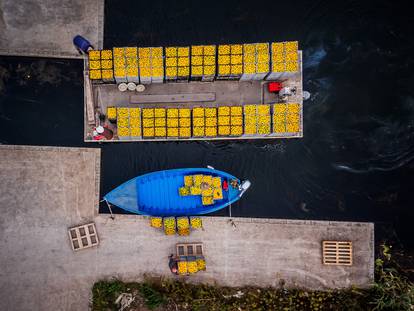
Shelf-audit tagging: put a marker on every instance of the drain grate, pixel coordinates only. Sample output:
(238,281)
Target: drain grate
(337,253)
(83,236)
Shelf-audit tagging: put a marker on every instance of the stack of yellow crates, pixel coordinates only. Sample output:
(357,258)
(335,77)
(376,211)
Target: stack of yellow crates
(122,123)
(286,118)
(128,121)
(257,119)
(119,65)
(177,63)
(255,61)
(205,122)
(100,65)
(131,62)
(285,60)
(154,123)
(203,62)
(178,122)
(230,121)
(230,61)
(135,122)
(151,68)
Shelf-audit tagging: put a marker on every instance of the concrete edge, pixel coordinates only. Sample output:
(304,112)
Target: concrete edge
(39,53)
(261,220)
(101,25)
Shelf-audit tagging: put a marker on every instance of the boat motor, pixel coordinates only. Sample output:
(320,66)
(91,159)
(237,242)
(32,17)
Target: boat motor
(244,186)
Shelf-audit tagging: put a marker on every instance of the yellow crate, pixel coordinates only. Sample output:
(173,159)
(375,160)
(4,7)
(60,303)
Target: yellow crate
(293,108)
(94,55)
(94,64)
(236,69)
(144,62)
(249,128)
(172,113)
(122,112)
(236,130)
(120,72)
(171,62)
(224,130)
(159,122)
(107,74)
(198,112)
(210,112)
(198,131)
(224,59)
(211,131)
(134,122)
(135,131)
(118,52)
(263,129)
(106,64)
(291,46)
(106,54)
(198,121)
(135,112)
(132,72)
(262,68)
(148,122)
(183,61)
(159,112)
(197,70)
(224,70)
(171,72)
(216,182)
(156,52)
(250,110)
(279,108)
(218,194)
(132,62)
(209,60)
(209,70)
(111,113)
(172,122)
(172,132)
(249,48)
(131,52)
(236,59)
(183,51)
(292,127)
(207,200)
(147,112)
(197,60)
(144,52)
(95,74)
(263,110)
(144,72)
(236,120)
(249,68)
(211,121)
(224,49)
(292,66)
(209,50)
(185,131)
(122,122)
(185,122)
(148,132)
(123,131)
(223,120)
(223,110)
(278,67)
(236,110)
(160,132)
(183,71)
(185,112)
(197,50)
(236,49)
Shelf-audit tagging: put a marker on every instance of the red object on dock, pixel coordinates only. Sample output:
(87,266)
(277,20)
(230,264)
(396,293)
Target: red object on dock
(274,87)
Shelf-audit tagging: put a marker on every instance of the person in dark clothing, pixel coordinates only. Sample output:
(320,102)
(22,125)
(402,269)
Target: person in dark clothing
(173,264)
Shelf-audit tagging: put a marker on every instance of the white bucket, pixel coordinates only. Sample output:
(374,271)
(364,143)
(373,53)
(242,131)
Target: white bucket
(140,88)
(122,87)
(131,86)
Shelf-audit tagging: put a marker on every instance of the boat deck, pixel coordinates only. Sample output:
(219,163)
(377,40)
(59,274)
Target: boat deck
(46,190)
(98,97)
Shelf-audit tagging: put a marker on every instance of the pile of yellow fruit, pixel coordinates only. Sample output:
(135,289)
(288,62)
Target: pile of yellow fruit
(192,266)
(111,113)
(257,119)
(156,222)
(100,65)
(169,225)
(286,118)
(182,267)
(203,61)
(285,56)
(196,222)
(183,226)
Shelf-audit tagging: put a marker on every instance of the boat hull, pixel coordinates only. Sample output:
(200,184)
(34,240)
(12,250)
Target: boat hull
(156,194)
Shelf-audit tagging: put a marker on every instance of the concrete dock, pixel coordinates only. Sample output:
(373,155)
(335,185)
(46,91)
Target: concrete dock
(46,28)
(46,190)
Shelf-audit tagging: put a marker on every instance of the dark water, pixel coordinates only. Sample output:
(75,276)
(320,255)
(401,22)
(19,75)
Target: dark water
(355,161)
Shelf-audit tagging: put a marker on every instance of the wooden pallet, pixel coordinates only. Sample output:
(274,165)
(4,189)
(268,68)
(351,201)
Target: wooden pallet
(189,249)
(83,236)
(337,253)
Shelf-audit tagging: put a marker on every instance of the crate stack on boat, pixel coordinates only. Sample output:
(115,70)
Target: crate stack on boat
(255,61)
(230,62)
(203,62)
(177,64)
(131,64)
(257,120)
(286,118)
(119,65)
(100,65)
(284,59)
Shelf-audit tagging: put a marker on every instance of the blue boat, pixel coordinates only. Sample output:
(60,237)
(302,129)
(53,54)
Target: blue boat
(157,193)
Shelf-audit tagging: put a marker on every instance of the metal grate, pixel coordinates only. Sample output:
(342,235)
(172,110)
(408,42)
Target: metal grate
(189,249)
(337,253)
(83,236)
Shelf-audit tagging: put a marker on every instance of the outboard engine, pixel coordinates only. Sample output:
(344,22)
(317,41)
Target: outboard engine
(244,186)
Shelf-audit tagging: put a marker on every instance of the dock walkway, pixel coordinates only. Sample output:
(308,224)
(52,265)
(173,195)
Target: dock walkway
(46,190)
(46,28)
